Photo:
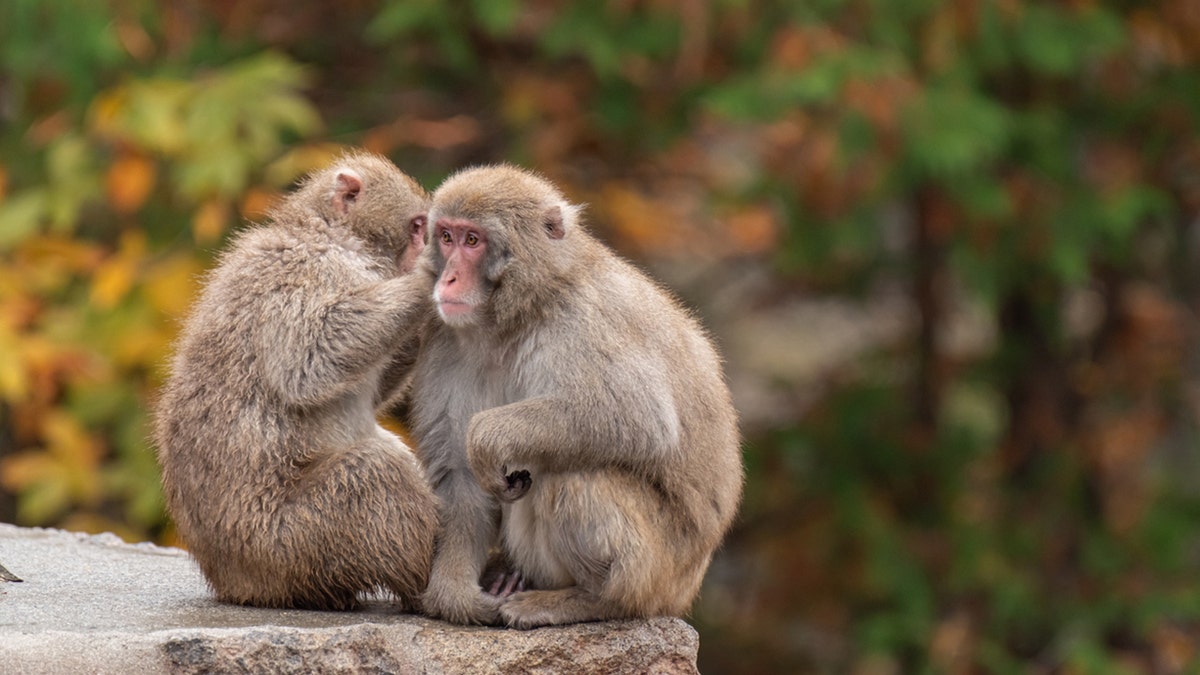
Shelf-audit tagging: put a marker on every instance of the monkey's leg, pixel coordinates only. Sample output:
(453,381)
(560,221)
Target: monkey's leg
(605,530)
(363,518)
(466,533)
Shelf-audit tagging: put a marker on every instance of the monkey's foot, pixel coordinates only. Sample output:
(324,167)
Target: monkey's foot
(530,609)
(472,606)
(506,584)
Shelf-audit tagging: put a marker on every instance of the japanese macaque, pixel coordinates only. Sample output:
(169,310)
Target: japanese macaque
(281,483)
(568,397)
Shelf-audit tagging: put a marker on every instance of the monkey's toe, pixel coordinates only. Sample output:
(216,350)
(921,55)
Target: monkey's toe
(526,610)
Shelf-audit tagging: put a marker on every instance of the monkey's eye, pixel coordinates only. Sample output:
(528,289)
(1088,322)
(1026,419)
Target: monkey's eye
(446,238)
(472,239)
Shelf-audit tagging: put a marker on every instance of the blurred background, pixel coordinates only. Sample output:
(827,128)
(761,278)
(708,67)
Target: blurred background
(950,251)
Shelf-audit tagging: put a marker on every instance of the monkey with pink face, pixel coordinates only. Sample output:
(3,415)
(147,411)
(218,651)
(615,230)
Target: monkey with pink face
(569,410)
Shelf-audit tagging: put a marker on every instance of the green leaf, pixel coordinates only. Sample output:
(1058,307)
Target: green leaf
(951,131)
(497,16)
(399,17)
(21,216)
(1058,41)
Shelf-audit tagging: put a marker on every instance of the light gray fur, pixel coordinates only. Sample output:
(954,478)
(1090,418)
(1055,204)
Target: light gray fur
(589,375)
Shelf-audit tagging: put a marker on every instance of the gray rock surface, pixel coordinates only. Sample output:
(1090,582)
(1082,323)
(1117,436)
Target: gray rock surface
(93,604)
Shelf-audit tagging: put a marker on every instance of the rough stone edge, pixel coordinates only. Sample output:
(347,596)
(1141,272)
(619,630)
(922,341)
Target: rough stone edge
(418,646)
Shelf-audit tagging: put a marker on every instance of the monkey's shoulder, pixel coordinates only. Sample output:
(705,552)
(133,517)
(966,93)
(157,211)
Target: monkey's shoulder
(279,258)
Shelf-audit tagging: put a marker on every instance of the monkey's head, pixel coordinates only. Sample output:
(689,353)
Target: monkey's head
(504,241)
(378,202)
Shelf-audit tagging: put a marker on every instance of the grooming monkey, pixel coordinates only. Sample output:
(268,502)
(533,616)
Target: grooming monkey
(281,483)
(565,388)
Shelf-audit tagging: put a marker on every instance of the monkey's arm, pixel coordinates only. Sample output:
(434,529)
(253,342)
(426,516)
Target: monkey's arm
(392,384)
(320,348)
(560,434)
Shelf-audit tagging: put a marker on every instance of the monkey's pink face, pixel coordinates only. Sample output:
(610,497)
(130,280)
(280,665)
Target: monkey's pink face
(459,289)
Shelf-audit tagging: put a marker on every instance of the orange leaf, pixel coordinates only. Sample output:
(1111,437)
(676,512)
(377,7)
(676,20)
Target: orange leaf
(256,202)
(26,468)
(637,219)
(753,230)
(129,182)
(210,221)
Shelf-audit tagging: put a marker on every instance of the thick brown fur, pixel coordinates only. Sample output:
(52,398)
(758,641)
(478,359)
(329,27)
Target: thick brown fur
(572,365)
(281,483)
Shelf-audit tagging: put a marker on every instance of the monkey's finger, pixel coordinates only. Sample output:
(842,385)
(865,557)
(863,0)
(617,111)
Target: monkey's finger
(517,484)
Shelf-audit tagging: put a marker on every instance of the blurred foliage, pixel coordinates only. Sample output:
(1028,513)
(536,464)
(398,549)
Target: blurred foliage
(1027,504)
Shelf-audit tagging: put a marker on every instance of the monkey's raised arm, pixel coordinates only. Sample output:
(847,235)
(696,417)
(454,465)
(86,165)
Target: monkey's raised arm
(318,347)
(557,434)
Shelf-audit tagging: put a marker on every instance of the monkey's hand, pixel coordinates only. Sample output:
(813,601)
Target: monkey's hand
(486,454)
(505,485)
(518,482)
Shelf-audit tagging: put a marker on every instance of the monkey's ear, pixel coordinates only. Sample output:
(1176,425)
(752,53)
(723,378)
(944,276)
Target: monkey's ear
(416,229)
(552,222)
(346,189)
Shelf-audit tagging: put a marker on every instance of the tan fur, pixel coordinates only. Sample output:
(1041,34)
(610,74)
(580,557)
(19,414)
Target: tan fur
(584,372)
(281,483)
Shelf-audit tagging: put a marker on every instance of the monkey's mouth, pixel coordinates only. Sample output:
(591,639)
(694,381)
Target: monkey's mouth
(451,308)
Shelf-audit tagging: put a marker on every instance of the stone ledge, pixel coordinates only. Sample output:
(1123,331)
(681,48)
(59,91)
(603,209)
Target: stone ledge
(95,604)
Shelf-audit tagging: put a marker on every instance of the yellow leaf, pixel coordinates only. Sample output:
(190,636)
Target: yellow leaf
(77,453)
(14,379)
(112,281)
(67,440)
(115,276)
(210,221)
(170,285)
(106,110)
(59,251)
(140,344)
(128,182)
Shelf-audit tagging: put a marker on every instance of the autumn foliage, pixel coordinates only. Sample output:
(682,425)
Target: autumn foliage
(999,472)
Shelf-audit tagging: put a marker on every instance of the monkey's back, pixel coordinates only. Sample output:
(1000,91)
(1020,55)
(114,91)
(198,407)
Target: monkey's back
(257,484)
(673,357)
